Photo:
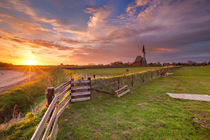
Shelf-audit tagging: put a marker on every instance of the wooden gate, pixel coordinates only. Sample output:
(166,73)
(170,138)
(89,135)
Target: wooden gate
(80,90)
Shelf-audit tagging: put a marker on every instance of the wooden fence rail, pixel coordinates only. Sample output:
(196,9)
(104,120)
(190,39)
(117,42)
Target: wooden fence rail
(53,111)
(56,104)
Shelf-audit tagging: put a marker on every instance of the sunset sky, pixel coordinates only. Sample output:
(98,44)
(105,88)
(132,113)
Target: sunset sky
(103,31)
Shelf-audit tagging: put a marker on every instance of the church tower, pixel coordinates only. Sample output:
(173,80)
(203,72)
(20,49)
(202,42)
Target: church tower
(143,52)
(141,60)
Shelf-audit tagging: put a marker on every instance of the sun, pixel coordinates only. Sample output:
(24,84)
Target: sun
(30,62)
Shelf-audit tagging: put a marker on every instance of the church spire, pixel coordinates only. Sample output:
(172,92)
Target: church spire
(143,52)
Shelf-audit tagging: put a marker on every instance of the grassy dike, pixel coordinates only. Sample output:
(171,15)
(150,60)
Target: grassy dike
(112,71)
(27,96)
(147,113)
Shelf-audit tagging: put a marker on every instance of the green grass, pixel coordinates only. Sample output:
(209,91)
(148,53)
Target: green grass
(147,113)
(111,71)
(29,94)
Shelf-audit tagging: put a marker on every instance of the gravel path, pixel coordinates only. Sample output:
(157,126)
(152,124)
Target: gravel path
(198,97)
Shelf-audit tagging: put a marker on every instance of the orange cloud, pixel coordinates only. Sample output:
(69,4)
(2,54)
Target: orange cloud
(165,50)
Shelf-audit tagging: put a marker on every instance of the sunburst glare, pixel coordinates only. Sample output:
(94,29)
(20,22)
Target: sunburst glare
(30,62)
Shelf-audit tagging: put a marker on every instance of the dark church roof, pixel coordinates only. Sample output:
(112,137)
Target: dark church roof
(141,60)
(138,59)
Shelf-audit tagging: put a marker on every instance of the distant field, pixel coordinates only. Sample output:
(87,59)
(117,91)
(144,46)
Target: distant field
(147,113)
(111,71)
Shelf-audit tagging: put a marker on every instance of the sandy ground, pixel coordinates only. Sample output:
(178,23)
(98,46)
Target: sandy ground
(11,78)
(198,97)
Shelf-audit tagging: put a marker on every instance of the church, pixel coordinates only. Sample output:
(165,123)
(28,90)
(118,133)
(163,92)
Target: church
(141,60)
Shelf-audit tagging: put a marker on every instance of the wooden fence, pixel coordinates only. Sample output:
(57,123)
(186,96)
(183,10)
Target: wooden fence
(72,91)
(57,100)
(133,80)
(81,92)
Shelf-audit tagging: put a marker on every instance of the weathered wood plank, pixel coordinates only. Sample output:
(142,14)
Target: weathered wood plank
(168,74)
(74,94)
(80,82)
(121,88)
(63,101)
(55,133)
(63,93)
(119,95)
(42,123)
(63,108)
(80,87)
(80,99)
(121,91)
(62,86)
(46,133)
(53,128)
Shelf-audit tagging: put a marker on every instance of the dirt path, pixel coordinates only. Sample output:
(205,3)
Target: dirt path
(11,78)
(198,97)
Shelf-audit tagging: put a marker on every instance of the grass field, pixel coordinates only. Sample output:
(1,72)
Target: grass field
(35,92)
(147,113)
(111,71)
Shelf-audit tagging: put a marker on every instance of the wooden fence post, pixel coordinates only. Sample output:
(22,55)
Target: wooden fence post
(72,79)
(142,78)
(132,80)
(118,83)
(89,78)
(50,95)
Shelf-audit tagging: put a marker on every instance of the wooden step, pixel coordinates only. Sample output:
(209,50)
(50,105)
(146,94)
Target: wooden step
(80,87)
(75,94)
(80,99)
(121,94)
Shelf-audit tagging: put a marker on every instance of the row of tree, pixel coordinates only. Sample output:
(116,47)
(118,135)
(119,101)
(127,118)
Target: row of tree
(2,64)
(188,63)
(121,64)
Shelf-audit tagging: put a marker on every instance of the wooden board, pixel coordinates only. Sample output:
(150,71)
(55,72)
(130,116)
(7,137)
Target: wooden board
(63,93)
(121,88)
(121,94)
(80,87)
(62,87)
(75,94)
(80,99)
(64,100)
(45,118)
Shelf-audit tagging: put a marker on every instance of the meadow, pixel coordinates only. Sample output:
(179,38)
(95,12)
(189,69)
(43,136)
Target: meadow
(111,71)
(31,96)
(147,113)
